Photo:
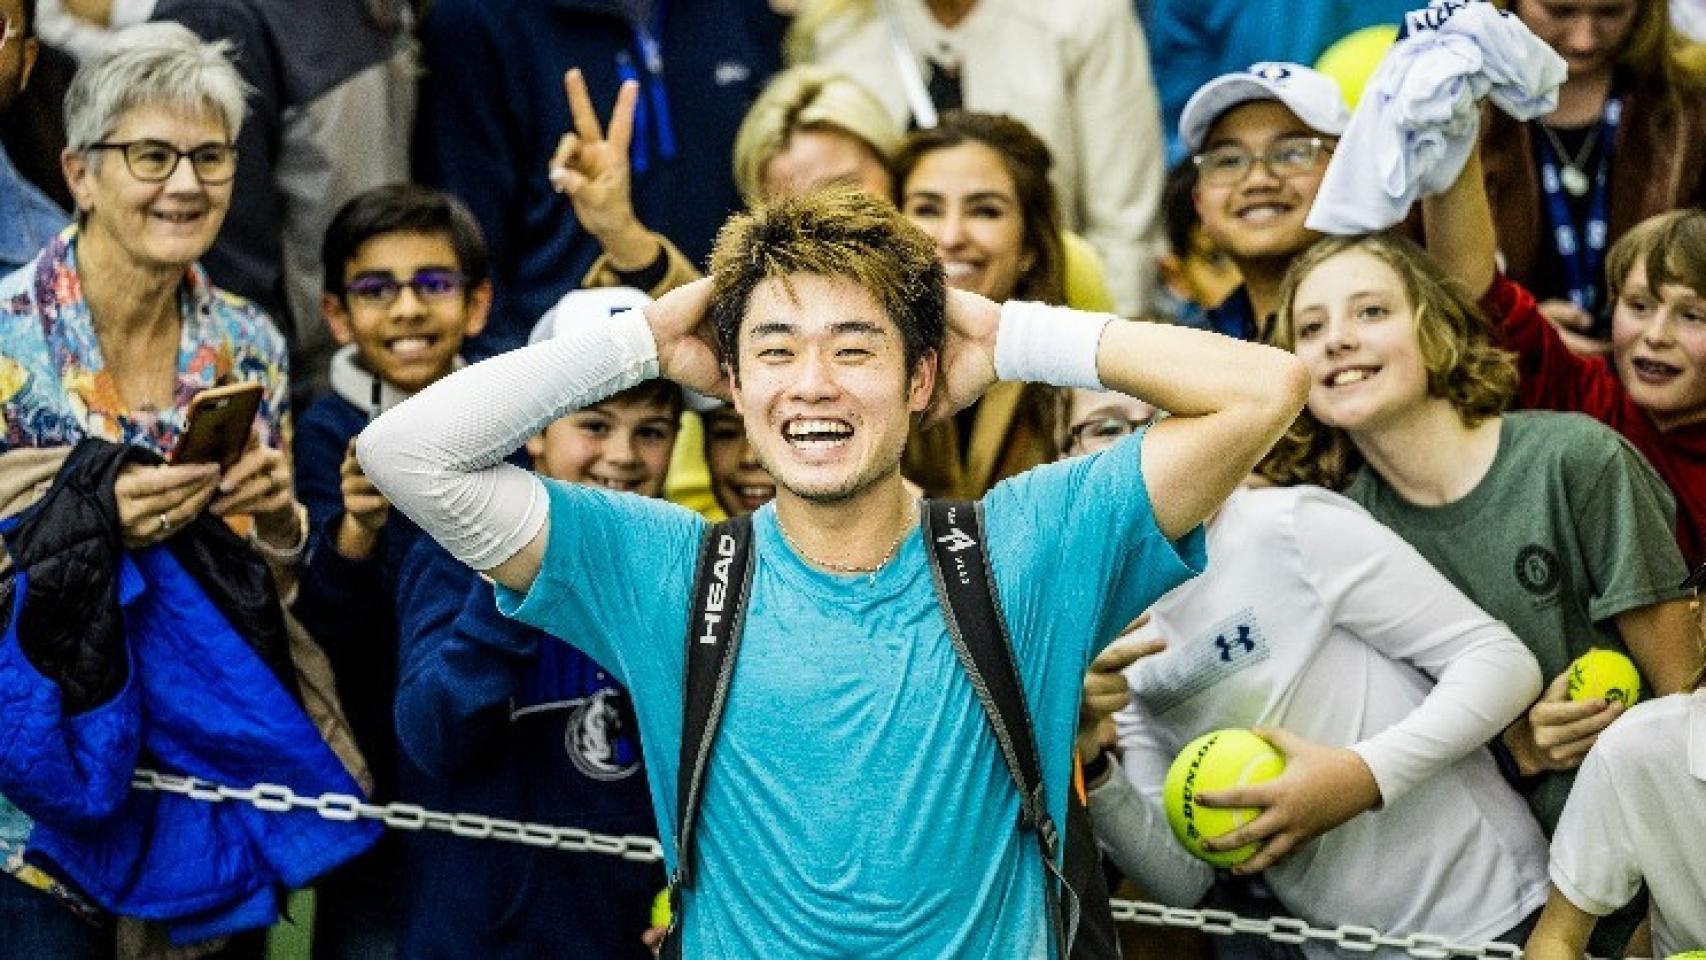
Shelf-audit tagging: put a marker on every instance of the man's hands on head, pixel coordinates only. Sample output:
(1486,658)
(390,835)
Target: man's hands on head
(686,339)
(968,355)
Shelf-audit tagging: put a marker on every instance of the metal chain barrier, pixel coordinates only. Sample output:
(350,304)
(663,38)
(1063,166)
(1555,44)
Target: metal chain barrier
(277,798)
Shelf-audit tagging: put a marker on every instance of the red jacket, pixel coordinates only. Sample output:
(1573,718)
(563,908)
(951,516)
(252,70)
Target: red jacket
(1553,378)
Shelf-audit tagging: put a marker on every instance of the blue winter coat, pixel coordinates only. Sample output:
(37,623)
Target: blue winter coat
(176,689)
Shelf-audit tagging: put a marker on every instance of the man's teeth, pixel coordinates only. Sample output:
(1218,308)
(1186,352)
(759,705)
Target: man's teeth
(956,270)
(817,431)
(1656,368)
(1344,377)
(180,216)
(755,493)
(609,484)
(409,346)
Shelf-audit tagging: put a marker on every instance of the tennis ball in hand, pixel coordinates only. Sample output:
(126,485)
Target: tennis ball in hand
(1217,761)
(1605,675)
(660,909)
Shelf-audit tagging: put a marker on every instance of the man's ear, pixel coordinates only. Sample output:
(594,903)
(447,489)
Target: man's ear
(535,447)
(921,386)
(337,319)
(479,308)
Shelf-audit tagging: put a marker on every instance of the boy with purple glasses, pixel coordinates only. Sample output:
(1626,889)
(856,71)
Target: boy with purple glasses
(405,283)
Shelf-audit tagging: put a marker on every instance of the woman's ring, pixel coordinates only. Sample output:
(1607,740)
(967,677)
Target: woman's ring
(165,524)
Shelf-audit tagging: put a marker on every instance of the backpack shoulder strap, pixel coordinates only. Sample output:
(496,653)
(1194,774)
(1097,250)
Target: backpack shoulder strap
(965,585)
(722,581)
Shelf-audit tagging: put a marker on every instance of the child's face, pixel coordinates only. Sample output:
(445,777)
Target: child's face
(1355,331)
(1205,275)
(617,445)
(739,482)
(1658,341)
(1260,215)
(406,307)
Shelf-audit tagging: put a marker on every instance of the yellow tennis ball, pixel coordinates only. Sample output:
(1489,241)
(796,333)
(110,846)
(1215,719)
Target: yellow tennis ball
(660,909)
(1690,955)
(1605,674)
(1216,761)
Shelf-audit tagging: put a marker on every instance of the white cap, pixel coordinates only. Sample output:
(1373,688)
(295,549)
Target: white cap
(1310,94)
(596,304)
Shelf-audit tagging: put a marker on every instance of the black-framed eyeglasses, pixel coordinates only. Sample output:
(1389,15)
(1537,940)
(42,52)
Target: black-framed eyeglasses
(154,161)
(432,285)
(1286,157)
(1094,434)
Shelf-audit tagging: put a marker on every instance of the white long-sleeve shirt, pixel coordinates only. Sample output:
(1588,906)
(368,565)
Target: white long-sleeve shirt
(1315,618)
(1076,72)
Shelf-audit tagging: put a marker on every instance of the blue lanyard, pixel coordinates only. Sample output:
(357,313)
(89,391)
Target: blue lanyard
(651,113)
(1582,252)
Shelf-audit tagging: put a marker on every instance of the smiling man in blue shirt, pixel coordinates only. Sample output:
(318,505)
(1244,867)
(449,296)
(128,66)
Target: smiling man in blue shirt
(857,804)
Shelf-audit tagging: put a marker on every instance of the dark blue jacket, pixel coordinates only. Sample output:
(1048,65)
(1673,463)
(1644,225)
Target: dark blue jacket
(124,659)
(346,605)
(496,717)
(492,110)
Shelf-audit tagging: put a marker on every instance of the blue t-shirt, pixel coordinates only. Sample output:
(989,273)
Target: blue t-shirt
(857,804)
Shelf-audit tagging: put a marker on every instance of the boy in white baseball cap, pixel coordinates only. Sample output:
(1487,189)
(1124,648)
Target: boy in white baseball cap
(1260,139)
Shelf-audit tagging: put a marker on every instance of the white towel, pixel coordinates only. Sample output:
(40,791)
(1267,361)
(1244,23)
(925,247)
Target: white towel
(1419,115)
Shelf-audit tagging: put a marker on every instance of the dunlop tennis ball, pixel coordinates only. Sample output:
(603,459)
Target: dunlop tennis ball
(1216,761)
(1605,674)
(660,909)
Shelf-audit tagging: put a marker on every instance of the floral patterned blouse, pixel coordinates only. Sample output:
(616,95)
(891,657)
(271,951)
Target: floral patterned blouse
(54,386)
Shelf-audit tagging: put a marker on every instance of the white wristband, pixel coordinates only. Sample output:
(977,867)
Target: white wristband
(1038,343)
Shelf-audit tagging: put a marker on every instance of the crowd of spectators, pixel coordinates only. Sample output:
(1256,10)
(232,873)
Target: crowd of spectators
(1501,464)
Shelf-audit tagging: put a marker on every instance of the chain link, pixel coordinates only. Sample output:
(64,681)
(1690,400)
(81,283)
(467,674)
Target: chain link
(277,798)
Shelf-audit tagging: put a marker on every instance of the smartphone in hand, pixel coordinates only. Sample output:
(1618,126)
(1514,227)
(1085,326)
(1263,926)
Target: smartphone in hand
(218,424)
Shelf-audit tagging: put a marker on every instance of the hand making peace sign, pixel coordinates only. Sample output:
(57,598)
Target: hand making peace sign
(591,167)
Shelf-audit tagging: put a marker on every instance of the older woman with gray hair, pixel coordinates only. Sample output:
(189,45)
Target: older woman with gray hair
(113,329)
(110,333)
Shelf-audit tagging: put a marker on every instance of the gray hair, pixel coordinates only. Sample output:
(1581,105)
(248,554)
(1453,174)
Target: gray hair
(153,64)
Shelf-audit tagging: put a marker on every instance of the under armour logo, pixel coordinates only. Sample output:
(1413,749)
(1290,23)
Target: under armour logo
(1272,72)
(1244,640)
(956,540)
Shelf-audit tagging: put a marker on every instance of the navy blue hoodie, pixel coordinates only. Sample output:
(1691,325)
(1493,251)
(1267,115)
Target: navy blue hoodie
(496,717)
(492,109)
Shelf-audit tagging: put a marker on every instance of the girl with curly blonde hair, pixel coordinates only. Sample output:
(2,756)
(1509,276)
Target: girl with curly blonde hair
(1551,522)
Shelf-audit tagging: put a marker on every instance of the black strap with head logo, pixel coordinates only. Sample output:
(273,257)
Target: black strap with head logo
(722,582)
(954,535)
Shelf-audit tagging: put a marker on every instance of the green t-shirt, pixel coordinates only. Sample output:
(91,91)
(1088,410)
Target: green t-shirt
(1569,528)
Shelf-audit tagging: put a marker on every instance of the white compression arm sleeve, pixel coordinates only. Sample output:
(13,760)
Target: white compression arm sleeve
(438,456)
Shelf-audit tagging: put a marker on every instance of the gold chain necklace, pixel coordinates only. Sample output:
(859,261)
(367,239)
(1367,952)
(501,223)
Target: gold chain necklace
(843,568)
